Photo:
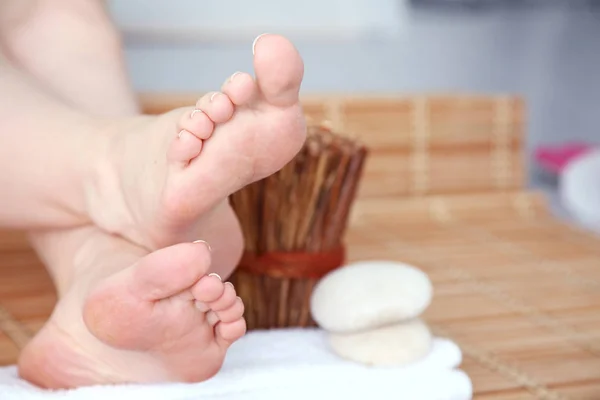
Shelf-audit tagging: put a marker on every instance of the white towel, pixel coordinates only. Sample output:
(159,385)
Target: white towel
(291,364)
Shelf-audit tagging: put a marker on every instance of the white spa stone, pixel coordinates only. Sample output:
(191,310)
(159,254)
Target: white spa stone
(396,345)
(369,294)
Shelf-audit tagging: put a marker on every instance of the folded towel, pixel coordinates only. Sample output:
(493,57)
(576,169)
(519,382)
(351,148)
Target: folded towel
(291,364)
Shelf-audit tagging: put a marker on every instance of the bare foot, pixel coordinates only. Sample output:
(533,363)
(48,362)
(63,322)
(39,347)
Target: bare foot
(166,175)
(127,318)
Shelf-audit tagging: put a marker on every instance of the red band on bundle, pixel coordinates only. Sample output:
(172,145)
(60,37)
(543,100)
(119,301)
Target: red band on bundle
(298,265)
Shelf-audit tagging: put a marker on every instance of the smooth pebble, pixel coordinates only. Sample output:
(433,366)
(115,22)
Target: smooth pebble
(393,345)
(370,294)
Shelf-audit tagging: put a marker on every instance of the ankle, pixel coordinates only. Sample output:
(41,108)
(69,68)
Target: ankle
(63,253)
(101,181)
(71,256)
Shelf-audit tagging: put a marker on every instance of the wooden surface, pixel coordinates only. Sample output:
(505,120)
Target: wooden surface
(518,291)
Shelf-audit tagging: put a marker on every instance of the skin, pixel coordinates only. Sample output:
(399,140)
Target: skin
(114,224)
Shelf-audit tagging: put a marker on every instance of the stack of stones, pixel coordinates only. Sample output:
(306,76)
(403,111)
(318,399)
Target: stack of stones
(371,311)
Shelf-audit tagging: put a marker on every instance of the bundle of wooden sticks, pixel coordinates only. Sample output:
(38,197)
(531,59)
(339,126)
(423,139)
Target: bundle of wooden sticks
(293,224)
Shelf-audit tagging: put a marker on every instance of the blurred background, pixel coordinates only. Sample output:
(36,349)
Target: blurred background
(548,51)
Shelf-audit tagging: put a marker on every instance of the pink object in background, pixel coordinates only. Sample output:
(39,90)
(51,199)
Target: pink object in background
(577,166)
(556,158)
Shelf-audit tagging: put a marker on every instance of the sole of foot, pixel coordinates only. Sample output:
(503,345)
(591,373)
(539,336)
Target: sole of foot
(166,176)
(161,319)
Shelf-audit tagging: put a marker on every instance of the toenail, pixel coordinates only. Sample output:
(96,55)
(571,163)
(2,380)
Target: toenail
(194,112)
(204,242)
(215,275)
(256,41)
(212,97)
(229,284)
(233,76)
(180,133)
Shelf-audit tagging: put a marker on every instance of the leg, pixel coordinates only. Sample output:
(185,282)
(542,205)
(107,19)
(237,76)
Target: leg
(90,74)
(164,195)
(93,361)
(72,48)
(85,264)
(83,365)
(45,153)
(167,193)
(155,317)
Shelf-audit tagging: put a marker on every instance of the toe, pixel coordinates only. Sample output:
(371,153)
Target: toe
(279,69)
(197,122)
(184,148)
(169,271)
(226,300)
(120,309)
(208,289)
(233,312)
(228,332)
(240,88)
(217,106)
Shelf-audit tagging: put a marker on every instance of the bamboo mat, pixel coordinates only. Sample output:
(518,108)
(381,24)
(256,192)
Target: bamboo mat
(443,190)
(515,288)
(518,290)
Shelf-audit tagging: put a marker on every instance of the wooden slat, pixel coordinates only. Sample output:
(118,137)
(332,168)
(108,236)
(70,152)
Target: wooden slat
(13,329)
(486,380)
(13,241)
(580,390)
(8,350)
(519,394)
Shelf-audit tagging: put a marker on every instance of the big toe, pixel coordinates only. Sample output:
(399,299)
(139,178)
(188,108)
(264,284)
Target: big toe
(121,308)
(279,69)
